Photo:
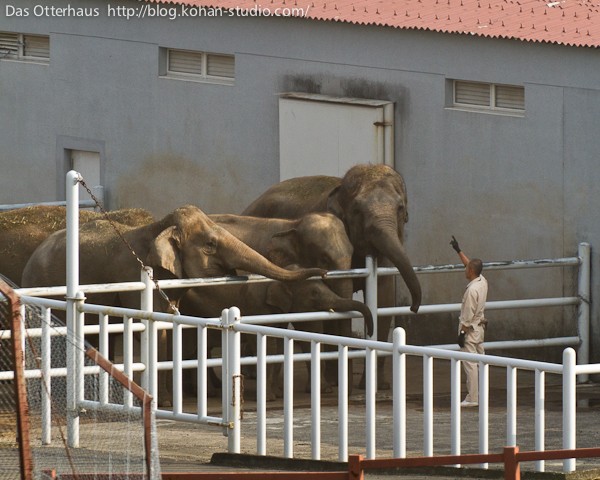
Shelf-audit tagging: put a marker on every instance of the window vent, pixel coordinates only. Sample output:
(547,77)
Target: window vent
(220,66)
(36,46)
(9,45)
(489,96)
(199,66)
(19,46)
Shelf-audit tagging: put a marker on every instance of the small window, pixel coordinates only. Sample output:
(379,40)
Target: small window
(488,96)
(18,46)
(201,66)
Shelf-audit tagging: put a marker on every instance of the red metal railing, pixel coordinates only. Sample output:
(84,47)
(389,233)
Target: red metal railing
(510,457)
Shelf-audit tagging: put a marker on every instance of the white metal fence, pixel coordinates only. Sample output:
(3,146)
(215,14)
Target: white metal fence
(150,323)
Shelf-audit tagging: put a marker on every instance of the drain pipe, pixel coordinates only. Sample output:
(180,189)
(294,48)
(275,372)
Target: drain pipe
(583,311)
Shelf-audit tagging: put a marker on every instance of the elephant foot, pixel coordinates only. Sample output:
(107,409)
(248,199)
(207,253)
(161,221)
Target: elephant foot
(165,403)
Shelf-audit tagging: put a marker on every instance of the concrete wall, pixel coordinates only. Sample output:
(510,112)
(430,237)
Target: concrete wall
(508,187)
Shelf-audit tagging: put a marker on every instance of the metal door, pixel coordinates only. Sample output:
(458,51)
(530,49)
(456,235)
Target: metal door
(322,135)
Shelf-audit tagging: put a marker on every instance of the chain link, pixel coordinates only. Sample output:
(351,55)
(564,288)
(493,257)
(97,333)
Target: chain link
(162,293)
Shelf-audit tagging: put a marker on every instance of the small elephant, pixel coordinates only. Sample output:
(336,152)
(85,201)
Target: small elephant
(273,298)
(22,230)
(371,200)
(183,244)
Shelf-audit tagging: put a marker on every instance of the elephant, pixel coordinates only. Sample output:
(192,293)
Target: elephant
(183,244)
(371,200)
(274,298)
(22,230)
(314,240)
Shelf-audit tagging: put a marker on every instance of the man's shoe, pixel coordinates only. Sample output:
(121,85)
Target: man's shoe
(467,403)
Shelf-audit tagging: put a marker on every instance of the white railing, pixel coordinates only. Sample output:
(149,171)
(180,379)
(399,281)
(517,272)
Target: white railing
(149,323)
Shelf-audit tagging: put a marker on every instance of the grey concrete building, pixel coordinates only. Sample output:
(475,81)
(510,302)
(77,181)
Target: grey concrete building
(488,109)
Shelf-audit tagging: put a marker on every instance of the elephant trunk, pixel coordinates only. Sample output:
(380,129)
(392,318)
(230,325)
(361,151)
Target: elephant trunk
(345,305)
(344,287)
(390,246)
(243,257)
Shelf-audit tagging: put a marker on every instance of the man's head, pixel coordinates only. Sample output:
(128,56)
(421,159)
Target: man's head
(474,268)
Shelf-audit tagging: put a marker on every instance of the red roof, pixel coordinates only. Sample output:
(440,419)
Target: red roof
(565,22)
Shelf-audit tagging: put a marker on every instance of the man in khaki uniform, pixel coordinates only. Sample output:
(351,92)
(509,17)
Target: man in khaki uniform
(472,322)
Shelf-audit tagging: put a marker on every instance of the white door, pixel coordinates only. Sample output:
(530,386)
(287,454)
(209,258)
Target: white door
(88,165)
(322,135)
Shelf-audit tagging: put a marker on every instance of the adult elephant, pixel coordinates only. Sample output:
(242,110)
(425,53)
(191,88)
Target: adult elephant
(183,244)
(22,230)
(275,298)
(371,200)
(313,240)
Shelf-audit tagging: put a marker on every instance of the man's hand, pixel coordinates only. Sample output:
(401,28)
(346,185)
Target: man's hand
(454,244)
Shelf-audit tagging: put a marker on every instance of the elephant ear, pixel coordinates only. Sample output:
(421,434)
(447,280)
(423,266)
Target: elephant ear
(284,247)
(334,204)
(164,252)
(279,296)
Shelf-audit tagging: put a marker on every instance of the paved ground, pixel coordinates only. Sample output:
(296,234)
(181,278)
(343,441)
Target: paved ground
(187,447)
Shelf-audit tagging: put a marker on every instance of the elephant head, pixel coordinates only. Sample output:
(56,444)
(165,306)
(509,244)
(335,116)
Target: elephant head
(191,245)
(371,200)
(318,239)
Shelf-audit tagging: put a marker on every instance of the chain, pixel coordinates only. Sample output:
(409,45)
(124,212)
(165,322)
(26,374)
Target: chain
(162,293)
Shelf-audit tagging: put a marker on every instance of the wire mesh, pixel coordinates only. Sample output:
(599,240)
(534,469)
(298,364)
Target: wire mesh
(116,435)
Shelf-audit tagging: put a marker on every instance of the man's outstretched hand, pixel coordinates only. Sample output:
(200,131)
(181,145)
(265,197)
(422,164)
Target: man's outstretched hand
(454,244)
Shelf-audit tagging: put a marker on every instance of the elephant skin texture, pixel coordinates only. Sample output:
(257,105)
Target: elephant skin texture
(372,202)
(183,244)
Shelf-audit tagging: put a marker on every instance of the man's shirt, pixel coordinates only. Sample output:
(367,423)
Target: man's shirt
(473,302)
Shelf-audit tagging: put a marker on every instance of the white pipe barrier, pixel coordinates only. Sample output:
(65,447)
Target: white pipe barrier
(153,324)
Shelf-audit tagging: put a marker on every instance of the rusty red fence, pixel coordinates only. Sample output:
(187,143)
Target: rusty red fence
(511,457)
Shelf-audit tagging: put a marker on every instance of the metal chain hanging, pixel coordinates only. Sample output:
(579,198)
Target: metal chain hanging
(162,293)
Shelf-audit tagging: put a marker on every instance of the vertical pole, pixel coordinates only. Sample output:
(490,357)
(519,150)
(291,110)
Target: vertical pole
(235,381)
(225,369)
(583,314)
(177,367)
(72,268)
(511,406)
(288,397)
(370,400)
(128,355)
(343,403)
(569,407)
(427,406)
(484,404)
(455,407)
(315,399)
(512,468)
(201,373)
(540,417)
(355,471)
(103,349)
(261,397)
(148,336)
(46,378)
(399,393)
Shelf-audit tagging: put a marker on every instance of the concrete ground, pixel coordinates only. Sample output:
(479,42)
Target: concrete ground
(194,448)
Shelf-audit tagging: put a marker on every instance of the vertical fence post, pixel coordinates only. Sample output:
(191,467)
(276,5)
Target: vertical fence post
(315,399)
(455,407)
(234,379)
(569,406)
(225,367)
(72,270)
(343,403)
(484,409)
(288,397)
(511,406)
(583,312)
(427,406)
(540,417)
(261,398)
(46,379)
(399,392)
(148,336)
(512,468)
